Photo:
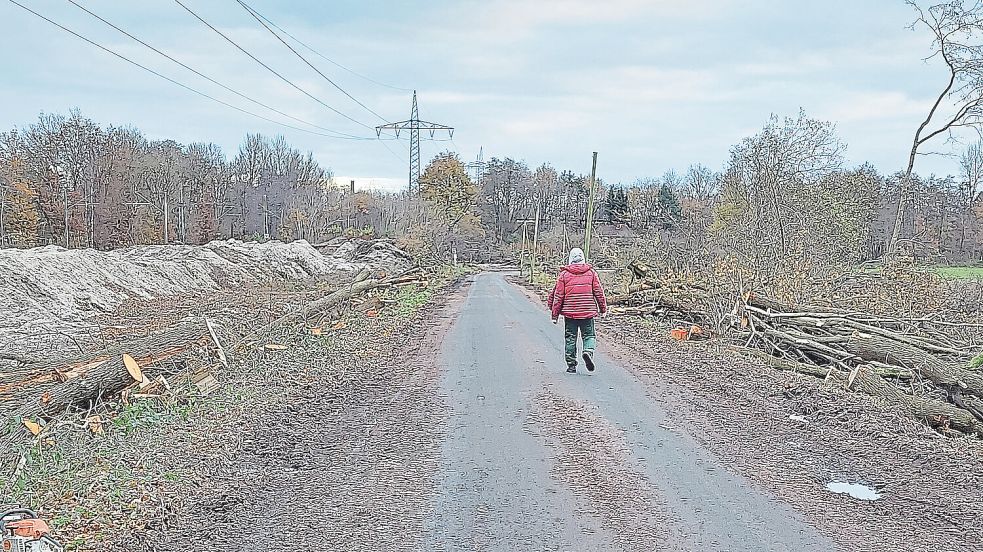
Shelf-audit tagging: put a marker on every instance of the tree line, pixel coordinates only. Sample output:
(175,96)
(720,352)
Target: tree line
(66,180)
(782,193)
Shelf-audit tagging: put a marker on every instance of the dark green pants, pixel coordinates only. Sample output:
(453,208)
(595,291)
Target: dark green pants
(570,328)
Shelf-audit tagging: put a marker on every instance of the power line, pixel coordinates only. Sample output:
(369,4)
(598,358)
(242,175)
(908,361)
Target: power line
(396,155)
(326,58)
(267,67)
(309,64)
(206,77)
(172,81)
(456,149)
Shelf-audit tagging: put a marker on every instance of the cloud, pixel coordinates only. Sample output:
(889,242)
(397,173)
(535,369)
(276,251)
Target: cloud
(854,107)
(528,15)
(799,64)
(639,84)
(530,126)
(462,97)
(649,83)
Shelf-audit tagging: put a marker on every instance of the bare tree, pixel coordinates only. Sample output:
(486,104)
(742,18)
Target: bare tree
(701,183)
(971,169)
(957,27)
(768,180)
(672,179)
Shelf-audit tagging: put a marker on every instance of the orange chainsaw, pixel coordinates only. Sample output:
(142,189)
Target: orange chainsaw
(22,531)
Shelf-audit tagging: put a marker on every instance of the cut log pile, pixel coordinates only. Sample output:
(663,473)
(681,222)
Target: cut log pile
(869,351)
(142,367)
(48,388)
(916,363)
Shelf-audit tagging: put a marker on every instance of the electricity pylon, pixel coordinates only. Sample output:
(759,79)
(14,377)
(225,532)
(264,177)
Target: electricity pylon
(478,166)
(414,125)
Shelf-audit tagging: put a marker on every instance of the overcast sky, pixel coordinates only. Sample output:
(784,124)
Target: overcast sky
(649,84)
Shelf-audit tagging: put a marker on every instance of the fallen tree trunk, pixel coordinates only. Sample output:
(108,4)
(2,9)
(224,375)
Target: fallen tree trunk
(361,285)
(843,324)
(331,300)
(80,381)
(874,347)
(935,413)
(767,303)
(786,364)
(830,341)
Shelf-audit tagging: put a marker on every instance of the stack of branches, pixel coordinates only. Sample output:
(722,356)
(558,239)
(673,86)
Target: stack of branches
(877,355)
(646,295)
(923,364)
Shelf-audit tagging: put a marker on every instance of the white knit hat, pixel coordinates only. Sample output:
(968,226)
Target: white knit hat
(576,256)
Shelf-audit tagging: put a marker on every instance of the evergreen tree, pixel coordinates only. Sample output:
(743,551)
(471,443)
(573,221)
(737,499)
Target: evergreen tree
(617,205)
(669,207)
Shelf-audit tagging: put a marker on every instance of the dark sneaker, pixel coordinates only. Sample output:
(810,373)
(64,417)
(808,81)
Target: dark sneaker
(589,360)
(571,369)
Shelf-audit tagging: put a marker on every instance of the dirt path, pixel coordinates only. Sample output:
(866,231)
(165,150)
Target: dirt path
(469,435)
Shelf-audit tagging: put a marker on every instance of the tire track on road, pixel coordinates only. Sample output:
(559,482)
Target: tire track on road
(593,458)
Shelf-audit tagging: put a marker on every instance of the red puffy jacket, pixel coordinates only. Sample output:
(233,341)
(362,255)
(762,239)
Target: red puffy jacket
(577,293)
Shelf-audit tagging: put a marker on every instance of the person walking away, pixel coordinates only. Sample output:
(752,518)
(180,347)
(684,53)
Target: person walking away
(579,297)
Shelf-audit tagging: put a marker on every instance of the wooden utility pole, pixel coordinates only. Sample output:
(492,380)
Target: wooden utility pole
(535,243)
(266,216)
(3,204)
(590,207)
(166,210)
(522,253)
(183,214)
(64,193)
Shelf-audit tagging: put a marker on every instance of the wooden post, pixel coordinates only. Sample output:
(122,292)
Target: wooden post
(64,191)
(522,252)
(165,219)
(184,215)
(566,241)
(535,244)
(3,230)
(590,208)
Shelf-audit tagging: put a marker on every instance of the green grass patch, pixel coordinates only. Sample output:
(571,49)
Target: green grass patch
(959,272)
(409,299)
(543,279)
(142,414)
